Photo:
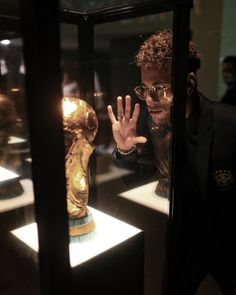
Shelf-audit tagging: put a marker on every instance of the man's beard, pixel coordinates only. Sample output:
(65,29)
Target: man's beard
(160,114)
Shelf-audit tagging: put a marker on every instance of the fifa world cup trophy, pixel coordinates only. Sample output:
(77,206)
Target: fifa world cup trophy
(80,127)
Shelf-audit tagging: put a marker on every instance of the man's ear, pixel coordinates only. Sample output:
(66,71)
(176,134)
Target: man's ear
(191,83)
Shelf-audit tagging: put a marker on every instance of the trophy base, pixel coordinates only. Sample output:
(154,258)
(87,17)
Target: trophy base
(82,229)
(10,189)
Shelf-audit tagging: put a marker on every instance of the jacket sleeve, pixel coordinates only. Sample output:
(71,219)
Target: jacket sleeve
(140,161)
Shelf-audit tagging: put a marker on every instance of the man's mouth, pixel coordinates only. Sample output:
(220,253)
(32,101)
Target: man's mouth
(155,111)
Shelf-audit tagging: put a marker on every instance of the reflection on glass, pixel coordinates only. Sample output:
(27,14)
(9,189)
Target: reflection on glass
(16,188)
(10,187)
(14,131)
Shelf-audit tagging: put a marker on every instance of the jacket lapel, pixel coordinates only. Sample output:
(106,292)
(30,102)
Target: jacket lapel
(204,140)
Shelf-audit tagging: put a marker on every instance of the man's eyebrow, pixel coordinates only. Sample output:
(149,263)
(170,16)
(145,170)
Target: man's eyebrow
(155,83)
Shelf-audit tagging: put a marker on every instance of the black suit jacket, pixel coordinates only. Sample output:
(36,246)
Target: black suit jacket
(216,148)
(207,242)
(216,170)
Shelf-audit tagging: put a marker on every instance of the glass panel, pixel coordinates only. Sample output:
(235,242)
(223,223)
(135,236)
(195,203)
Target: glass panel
(16,187)
(91,231)
(135,187)
(137,197)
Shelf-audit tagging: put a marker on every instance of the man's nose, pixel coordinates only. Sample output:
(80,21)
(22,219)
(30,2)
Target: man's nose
(151,99)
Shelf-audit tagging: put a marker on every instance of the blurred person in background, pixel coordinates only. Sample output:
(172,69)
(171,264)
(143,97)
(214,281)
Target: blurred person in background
(229,78)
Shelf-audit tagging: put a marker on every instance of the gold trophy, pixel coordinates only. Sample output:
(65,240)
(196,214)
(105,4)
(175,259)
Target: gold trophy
(80,126)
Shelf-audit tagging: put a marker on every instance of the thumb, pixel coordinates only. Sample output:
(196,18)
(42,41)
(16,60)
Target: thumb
(140,139)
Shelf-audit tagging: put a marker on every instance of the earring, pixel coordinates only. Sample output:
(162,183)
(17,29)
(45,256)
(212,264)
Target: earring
(189,92)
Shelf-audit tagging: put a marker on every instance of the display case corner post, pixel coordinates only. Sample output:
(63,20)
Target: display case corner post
(181,35)
(41,50)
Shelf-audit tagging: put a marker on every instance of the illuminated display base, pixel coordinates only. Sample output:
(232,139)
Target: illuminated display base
(111,262)
(16,140)
(26,198)
(109,232)
(18,145)
(145,195)
(6,175)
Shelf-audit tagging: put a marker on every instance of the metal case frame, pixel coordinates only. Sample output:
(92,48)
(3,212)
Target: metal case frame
(40,31)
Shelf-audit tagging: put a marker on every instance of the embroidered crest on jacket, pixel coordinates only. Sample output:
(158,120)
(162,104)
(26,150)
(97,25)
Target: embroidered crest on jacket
(223,178)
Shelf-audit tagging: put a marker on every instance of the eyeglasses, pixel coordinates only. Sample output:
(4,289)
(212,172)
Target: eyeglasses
(155,92)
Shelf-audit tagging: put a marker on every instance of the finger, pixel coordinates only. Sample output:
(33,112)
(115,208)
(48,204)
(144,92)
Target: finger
(140,139)
(111,114)
(120,109)
(136,113)
(127,107)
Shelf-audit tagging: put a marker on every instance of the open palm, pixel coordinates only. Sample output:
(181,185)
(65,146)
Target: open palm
(124,127)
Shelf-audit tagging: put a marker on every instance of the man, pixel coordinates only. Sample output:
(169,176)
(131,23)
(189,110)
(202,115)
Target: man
(155,90)
(229,77)
(209,165)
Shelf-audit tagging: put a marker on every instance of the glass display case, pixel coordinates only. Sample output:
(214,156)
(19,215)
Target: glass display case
(76,209)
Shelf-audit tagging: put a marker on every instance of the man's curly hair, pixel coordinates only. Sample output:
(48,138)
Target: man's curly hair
(157,49)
